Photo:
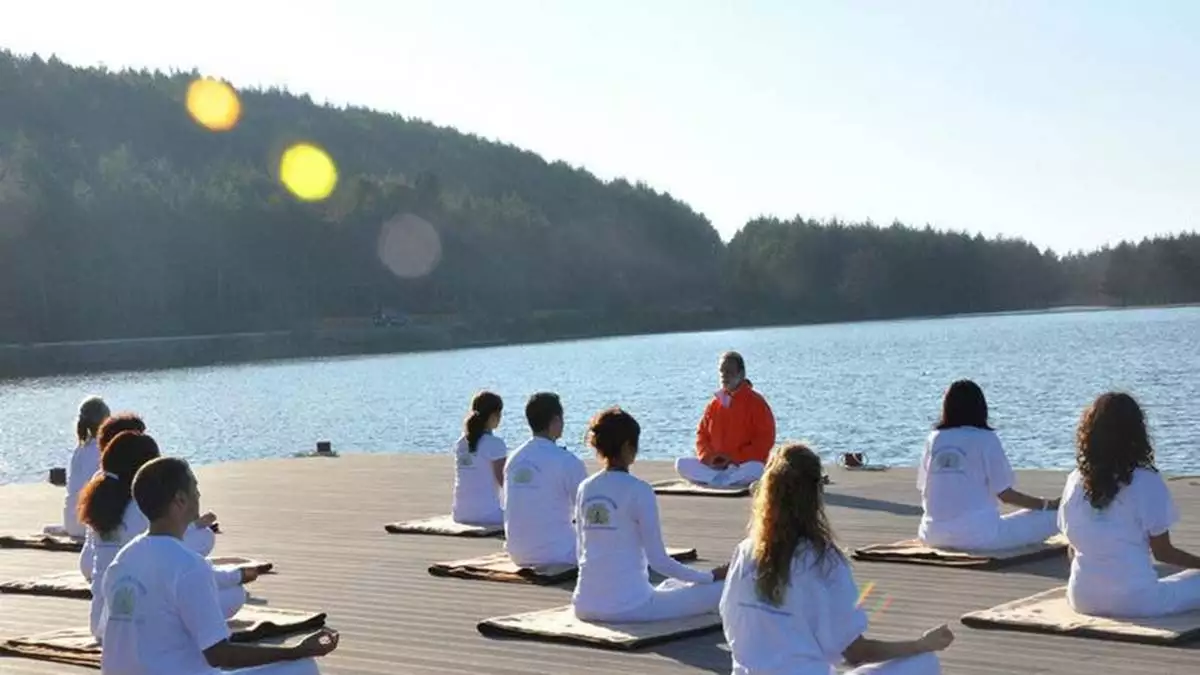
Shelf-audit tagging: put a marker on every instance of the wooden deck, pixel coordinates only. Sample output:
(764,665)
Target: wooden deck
(320,521)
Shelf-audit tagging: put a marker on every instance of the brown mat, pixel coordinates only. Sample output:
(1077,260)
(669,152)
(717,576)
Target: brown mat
(1049,612)
(679,486)
(913,552)
(75,646)
(499,567)
(45,542)
(73,585)
(445,526)
(560,625)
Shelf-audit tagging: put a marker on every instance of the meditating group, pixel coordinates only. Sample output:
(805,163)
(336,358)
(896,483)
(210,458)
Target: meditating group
(788,599)
(158,604)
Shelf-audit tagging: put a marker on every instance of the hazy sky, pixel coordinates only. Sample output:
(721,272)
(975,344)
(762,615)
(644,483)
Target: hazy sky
(1068,122)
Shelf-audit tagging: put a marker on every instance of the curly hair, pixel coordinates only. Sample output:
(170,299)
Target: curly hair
(1110,443)
(788,511)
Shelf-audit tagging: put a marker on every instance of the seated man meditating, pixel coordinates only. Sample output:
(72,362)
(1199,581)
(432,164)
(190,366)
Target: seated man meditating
(736,433)
(162,613)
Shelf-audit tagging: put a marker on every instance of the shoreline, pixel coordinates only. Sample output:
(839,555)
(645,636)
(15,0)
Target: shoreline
(85,357)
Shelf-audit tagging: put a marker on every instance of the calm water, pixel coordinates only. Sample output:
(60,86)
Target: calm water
(871,387)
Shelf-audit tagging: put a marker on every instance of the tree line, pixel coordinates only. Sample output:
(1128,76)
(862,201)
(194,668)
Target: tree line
(121,217)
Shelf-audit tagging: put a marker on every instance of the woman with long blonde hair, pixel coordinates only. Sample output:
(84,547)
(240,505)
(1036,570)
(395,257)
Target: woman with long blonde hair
(790,600)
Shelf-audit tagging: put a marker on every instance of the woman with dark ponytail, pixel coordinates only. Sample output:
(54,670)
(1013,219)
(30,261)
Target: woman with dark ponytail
(619,533)
(479,464)
(791,604)
(1116,513)
(85,459)
(113,519)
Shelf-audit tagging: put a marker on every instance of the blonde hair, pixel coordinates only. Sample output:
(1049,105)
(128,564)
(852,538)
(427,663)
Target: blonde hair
(788,511)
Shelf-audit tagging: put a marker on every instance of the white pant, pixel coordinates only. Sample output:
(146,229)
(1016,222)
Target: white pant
(298,667)
(692,469)
(921,664)
(672,599)
(1019,528)
(1171,595)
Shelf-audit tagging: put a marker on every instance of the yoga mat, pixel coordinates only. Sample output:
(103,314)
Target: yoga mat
(1049,612)
(912,551)
(445,526)
(560,625)
(499,567)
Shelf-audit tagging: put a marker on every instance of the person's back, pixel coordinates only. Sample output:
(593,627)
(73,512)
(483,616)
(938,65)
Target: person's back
(540,485)
(963,470)
(810,630)
(613,574)
(476,493)
(1112,563)
(156,611)
(85,462)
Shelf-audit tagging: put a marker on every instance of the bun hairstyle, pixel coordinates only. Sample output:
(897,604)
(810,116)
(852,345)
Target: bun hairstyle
(610,430)
(92,413)
(483,406)
(103,500)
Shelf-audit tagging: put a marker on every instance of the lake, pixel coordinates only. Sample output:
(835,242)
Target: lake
(870,387)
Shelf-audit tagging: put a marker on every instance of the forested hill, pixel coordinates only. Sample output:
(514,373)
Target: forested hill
(121,217)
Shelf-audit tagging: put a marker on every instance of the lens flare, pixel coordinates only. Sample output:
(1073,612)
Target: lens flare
(409,246)
(213,104)
(308,172)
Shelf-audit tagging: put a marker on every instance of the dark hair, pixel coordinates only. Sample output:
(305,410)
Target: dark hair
(788,511)
(103,500)
(1110,443)
(483,406)
(964,406)
(541,410)
(158,483)
(114,425)
(610,429)
(92,413)
(737,359)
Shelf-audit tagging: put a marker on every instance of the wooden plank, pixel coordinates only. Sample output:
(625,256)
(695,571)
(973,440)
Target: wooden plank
(320,521)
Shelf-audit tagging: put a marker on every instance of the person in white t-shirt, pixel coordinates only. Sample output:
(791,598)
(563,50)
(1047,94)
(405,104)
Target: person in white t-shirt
(162,615)
(619,533)
(541,481)
(790,603)
(479,464)
(85,461)
(965,475)
(1117,514)
(113,519)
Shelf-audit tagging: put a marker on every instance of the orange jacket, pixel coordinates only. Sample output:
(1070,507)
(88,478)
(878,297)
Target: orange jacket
(743,430)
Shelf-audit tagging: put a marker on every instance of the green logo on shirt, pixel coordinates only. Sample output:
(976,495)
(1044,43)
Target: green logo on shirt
(597,514)
(466,459)
(523,475)
(123,603)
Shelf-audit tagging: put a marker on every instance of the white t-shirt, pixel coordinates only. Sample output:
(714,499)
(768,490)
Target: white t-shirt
(103,549)
(541,481)
(1112,545)
(85,462)
(808,633)
(963,470)
(476,493)
(162,610)
(618,529)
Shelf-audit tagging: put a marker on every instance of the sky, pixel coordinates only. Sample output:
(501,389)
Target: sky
(1069,123)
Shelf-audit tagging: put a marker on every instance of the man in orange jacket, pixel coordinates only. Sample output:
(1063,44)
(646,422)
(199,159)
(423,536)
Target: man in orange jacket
(736,433)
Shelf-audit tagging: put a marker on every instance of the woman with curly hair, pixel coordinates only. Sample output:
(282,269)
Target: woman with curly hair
(790,603)
(1117,513)
(964,476)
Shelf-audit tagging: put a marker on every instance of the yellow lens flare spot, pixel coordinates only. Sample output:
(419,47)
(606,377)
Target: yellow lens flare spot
(308,172)
(213,104)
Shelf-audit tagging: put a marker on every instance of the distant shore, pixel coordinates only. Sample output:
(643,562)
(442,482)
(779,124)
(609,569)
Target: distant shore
(155,353)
